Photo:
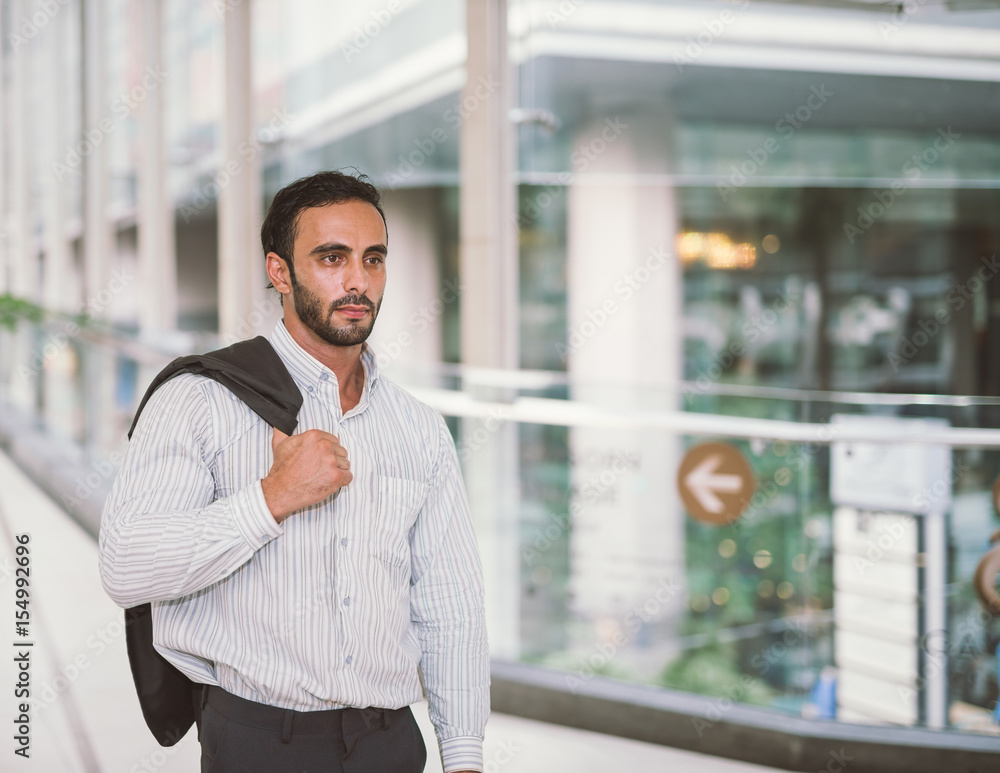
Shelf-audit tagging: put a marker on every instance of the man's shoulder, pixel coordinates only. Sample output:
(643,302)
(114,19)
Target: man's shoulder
(195,397)
(186,385)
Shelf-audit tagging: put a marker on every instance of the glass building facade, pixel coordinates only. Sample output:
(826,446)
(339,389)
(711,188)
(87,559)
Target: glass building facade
(770,224)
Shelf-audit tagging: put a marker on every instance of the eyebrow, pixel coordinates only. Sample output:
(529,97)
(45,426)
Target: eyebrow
(322,249)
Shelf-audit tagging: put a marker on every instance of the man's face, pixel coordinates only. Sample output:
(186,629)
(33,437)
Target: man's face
(339,274)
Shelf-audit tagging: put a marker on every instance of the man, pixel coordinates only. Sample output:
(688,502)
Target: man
(311,581)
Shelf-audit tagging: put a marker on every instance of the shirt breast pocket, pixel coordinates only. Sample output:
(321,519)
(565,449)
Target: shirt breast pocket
(399,503)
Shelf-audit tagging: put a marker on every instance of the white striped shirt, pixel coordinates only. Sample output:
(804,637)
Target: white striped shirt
(339,604)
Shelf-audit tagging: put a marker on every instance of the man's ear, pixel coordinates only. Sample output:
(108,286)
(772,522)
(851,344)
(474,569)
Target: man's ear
(277,272)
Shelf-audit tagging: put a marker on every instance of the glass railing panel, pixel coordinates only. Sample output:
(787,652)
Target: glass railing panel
(814,601)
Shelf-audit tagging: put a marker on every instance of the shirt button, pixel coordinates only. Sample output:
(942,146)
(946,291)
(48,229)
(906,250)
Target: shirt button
(348,659)
(347,601)
(324,377)
(343,542)
(310,388)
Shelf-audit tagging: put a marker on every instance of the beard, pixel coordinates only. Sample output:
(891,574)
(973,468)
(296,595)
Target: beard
(309,308)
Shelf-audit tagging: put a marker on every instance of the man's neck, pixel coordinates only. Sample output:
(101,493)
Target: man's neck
(344,361)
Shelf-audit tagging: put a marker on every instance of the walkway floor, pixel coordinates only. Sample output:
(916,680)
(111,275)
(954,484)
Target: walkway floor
(84,716)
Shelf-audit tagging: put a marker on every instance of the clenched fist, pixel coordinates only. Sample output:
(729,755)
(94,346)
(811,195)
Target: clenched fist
(307,468)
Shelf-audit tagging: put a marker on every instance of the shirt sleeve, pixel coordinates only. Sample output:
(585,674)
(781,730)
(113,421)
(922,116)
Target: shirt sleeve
(448,614)
(164,534)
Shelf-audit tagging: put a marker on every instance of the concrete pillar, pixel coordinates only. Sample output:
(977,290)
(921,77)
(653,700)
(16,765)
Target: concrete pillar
(100,434)
(98,237)
(624,348)
(488,230)
(489,314)
(21,250)
(157,275)
(242,279)
(5,279)
(57,278)
(408,331)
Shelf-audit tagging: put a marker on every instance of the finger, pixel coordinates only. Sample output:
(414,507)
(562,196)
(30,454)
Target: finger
(277,439)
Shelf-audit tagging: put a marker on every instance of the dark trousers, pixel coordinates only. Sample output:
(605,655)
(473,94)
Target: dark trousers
(240,736)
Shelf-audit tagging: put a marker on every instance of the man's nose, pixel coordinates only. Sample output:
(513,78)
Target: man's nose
(355,278)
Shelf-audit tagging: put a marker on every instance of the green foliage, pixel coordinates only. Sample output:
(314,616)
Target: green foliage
(13,309)
(585,667)
(711,671)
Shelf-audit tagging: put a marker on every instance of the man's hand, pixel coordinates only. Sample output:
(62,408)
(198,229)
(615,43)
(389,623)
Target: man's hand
(307,469)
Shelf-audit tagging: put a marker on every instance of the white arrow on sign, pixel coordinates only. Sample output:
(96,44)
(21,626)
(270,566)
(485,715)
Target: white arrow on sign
(703,482)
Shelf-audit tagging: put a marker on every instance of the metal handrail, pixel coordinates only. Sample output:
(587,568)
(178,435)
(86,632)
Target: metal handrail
(576,413)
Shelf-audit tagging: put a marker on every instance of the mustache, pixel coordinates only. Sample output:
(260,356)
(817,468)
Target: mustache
(352,300)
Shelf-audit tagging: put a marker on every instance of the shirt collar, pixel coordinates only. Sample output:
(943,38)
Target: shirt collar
(307,371)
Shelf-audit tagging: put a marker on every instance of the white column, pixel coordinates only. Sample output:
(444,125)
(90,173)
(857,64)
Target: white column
(241,264)
(408,331)
(489,313)
(157,253)
(5,266)
(624,348)
(98,236)
(57,279)
(21,252)
(99,242)
(487,228)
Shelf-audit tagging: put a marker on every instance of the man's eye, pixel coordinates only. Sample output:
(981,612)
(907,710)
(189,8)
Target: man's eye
(376,259)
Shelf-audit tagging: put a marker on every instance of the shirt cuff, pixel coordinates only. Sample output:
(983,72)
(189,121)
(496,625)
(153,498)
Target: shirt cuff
(253,517)
(463,752)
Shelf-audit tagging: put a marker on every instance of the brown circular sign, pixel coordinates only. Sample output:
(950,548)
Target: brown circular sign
(715,482)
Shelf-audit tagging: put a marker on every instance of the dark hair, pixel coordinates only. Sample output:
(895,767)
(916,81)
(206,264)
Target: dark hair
(280,227)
